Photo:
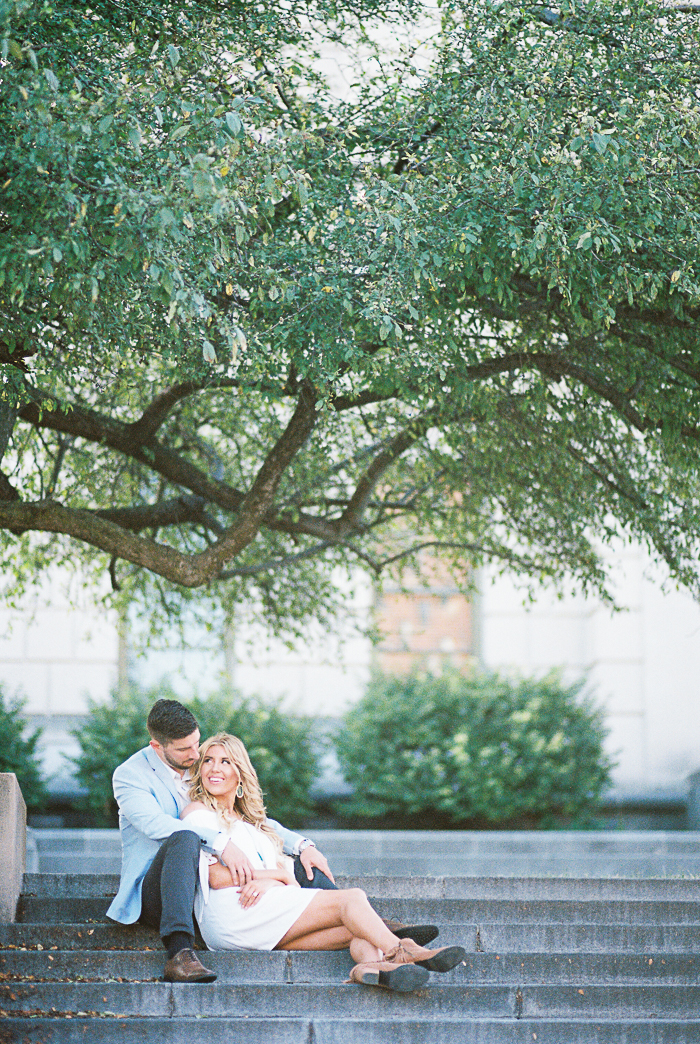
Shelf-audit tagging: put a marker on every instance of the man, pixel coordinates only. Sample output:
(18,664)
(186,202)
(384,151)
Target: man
(160,854)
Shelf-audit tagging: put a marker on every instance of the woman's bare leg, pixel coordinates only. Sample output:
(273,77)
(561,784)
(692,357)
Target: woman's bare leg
(323,939)
(347,908)
(335,939)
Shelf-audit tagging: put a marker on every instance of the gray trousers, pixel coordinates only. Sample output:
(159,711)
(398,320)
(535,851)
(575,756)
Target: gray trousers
(167,895)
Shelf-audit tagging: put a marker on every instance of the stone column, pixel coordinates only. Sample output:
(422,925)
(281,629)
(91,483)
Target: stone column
(13,844)
(694,801)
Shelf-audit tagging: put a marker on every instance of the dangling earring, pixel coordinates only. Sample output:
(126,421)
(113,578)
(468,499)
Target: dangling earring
(239,790)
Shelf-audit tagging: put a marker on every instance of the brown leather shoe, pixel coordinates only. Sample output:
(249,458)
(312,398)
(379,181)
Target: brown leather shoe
(402,978)
(420,933)
(442,960)
(186,966)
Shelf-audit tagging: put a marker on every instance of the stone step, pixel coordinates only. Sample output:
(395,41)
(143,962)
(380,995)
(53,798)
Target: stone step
(582,938)
(558,843)
(666,866)
(57,886)
(297,967)
(493,938)
(434,864)
(78,937)
(435,1001)
(473,853)
(434,911)
(324,1030)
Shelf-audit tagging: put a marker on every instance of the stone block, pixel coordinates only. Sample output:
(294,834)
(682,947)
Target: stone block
(13,844)
(72,683)
(50,636)
(29,680)
(12,634)
(96,638)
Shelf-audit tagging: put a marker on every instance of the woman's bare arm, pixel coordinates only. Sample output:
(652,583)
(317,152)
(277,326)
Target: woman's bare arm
(220,876)
(278,874)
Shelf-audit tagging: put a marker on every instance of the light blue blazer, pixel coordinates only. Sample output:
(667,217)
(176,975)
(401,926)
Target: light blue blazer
(149,809)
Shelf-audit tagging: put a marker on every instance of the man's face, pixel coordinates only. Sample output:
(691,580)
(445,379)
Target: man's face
(179,754)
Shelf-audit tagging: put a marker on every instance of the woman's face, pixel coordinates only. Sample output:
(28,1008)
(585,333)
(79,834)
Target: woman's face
(219,774)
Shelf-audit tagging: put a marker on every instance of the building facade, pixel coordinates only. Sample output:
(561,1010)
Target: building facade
(641,663)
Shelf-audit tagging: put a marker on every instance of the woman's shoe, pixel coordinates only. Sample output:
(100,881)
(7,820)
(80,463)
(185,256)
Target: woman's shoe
(402,978)
(420,933)
(442,960)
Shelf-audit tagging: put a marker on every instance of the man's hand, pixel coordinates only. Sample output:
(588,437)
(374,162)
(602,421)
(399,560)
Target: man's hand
(238,863)
(310,858)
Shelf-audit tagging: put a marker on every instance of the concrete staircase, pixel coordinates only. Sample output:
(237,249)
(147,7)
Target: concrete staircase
(550,960)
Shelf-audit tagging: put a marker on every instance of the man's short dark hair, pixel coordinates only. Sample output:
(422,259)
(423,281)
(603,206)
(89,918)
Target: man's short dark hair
(169,720)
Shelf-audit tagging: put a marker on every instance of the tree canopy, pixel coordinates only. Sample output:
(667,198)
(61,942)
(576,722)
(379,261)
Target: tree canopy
(254,328)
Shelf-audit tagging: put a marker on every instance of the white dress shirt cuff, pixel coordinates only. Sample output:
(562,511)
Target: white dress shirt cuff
(302,844)
(219,843)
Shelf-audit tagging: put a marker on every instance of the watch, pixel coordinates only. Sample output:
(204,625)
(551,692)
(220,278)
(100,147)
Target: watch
(306,843)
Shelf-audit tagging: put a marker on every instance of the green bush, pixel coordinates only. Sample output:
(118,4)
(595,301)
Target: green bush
(476,750)
(278,743)
(18,751)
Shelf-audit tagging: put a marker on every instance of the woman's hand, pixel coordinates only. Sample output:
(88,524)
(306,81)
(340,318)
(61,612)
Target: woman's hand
(286,877)
(250,893)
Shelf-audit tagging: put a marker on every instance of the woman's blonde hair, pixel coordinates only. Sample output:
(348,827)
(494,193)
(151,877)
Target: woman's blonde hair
(250,807)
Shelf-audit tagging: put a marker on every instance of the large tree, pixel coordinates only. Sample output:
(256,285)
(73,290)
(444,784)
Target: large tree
(255,328)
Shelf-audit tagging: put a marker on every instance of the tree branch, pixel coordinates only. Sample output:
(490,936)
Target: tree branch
(258,501)
(155,516)
(351,519)
(7,490)
(47,516)
(144,429)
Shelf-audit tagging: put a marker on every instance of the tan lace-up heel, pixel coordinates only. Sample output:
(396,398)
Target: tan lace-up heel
(402,978)
(442,960)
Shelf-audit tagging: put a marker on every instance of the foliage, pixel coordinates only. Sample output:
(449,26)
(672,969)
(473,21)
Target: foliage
(18,751)
(477,750)
(280,746)
(278,743)
(111,733)
(252,331)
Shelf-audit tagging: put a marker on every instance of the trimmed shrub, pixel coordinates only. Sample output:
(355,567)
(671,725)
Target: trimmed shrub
(18,751)
(278,743)
(476,750)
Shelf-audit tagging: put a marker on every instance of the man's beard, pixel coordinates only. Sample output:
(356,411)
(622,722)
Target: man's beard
(176,764)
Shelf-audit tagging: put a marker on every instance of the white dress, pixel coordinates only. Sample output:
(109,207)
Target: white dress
(223,922)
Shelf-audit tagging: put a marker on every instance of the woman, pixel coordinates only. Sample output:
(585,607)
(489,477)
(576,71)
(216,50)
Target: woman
(271,912)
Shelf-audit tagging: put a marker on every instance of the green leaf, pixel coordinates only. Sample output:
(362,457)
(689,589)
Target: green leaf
(180,131)
(202,184)
(233,122)
(600,142)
